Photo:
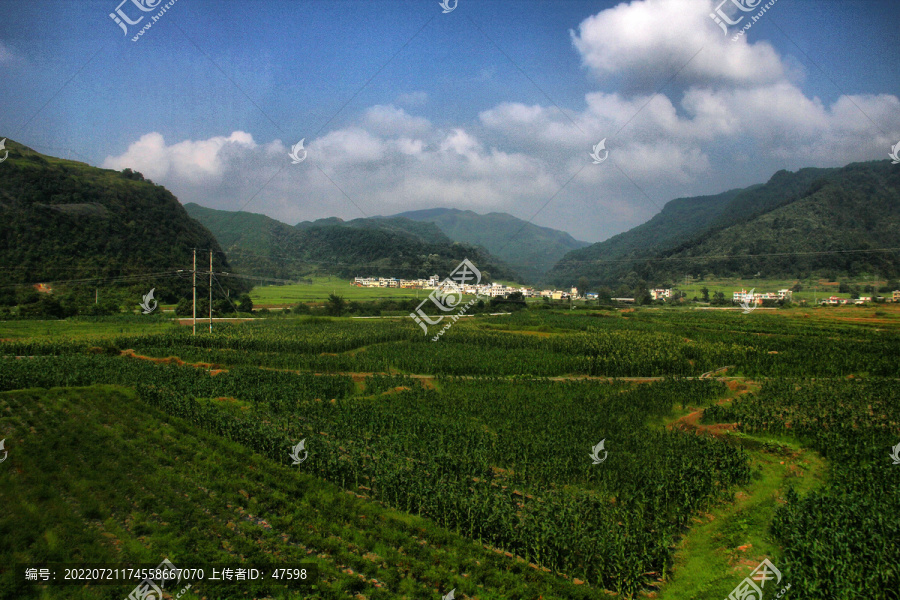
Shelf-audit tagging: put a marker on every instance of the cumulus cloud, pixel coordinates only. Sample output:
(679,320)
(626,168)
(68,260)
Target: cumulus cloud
(731,95)
(381,169)
(646,41)
(389,120)
(734,103)
(194,161)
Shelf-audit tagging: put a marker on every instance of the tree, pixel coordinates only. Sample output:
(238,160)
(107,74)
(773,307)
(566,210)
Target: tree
(797,288)
(183,308)
(705,292)
(46,306)
(642,295)
(335,305)
(583,286)
(604,295)
(844,288)
(222,306)
(245,304)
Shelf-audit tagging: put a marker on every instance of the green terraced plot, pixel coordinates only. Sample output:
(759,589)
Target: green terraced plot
(464,464)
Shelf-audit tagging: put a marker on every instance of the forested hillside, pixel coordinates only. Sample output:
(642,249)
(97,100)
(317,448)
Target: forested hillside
(395,247)
(65,221)
(530,249)
(815,221)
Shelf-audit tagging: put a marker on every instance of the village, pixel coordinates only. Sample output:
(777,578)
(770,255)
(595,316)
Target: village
(493,290)
(498,290)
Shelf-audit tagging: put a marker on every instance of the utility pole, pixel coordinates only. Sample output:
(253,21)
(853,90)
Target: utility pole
(195,292)
(210,291)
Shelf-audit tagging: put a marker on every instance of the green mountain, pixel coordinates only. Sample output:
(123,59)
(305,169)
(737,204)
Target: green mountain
(66,221)
(795,225)
(530,249)
(394,246)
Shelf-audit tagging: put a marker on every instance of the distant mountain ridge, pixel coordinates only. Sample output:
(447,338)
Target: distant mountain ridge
(385,246)
(794,225)
(531,249)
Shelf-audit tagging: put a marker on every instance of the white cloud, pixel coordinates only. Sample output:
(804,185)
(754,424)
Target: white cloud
(382,174)
(645,41)
(350,146)
(733,97)
(192,161)
(389,120)
(735,115)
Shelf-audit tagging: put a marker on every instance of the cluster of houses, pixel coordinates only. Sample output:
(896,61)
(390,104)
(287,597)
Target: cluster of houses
(392,282)
(743,296)
(496,290)
(759,298)
(493,290)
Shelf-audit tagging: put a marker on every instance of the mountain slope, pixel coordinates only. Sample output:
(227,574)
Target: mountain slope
(62,220)
(530,249)
(384,247)
(856,208)
(812,210)
(421,231)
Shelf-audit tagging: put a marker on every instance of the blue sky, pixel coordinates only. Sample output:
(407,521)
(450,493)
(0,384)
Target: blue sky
(466,114)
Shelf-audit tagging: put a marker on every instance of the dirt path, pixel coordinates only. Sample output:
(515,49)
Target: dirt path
(726,542)
(691,421)
(213,368)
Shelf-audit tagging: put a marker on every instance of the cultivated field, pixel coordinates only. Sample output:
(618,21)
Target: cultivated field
(463,464)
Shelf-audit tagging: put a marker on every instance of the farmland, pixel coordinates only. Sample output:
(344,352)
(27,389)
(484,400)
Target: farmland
(463,464)
(318,288)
